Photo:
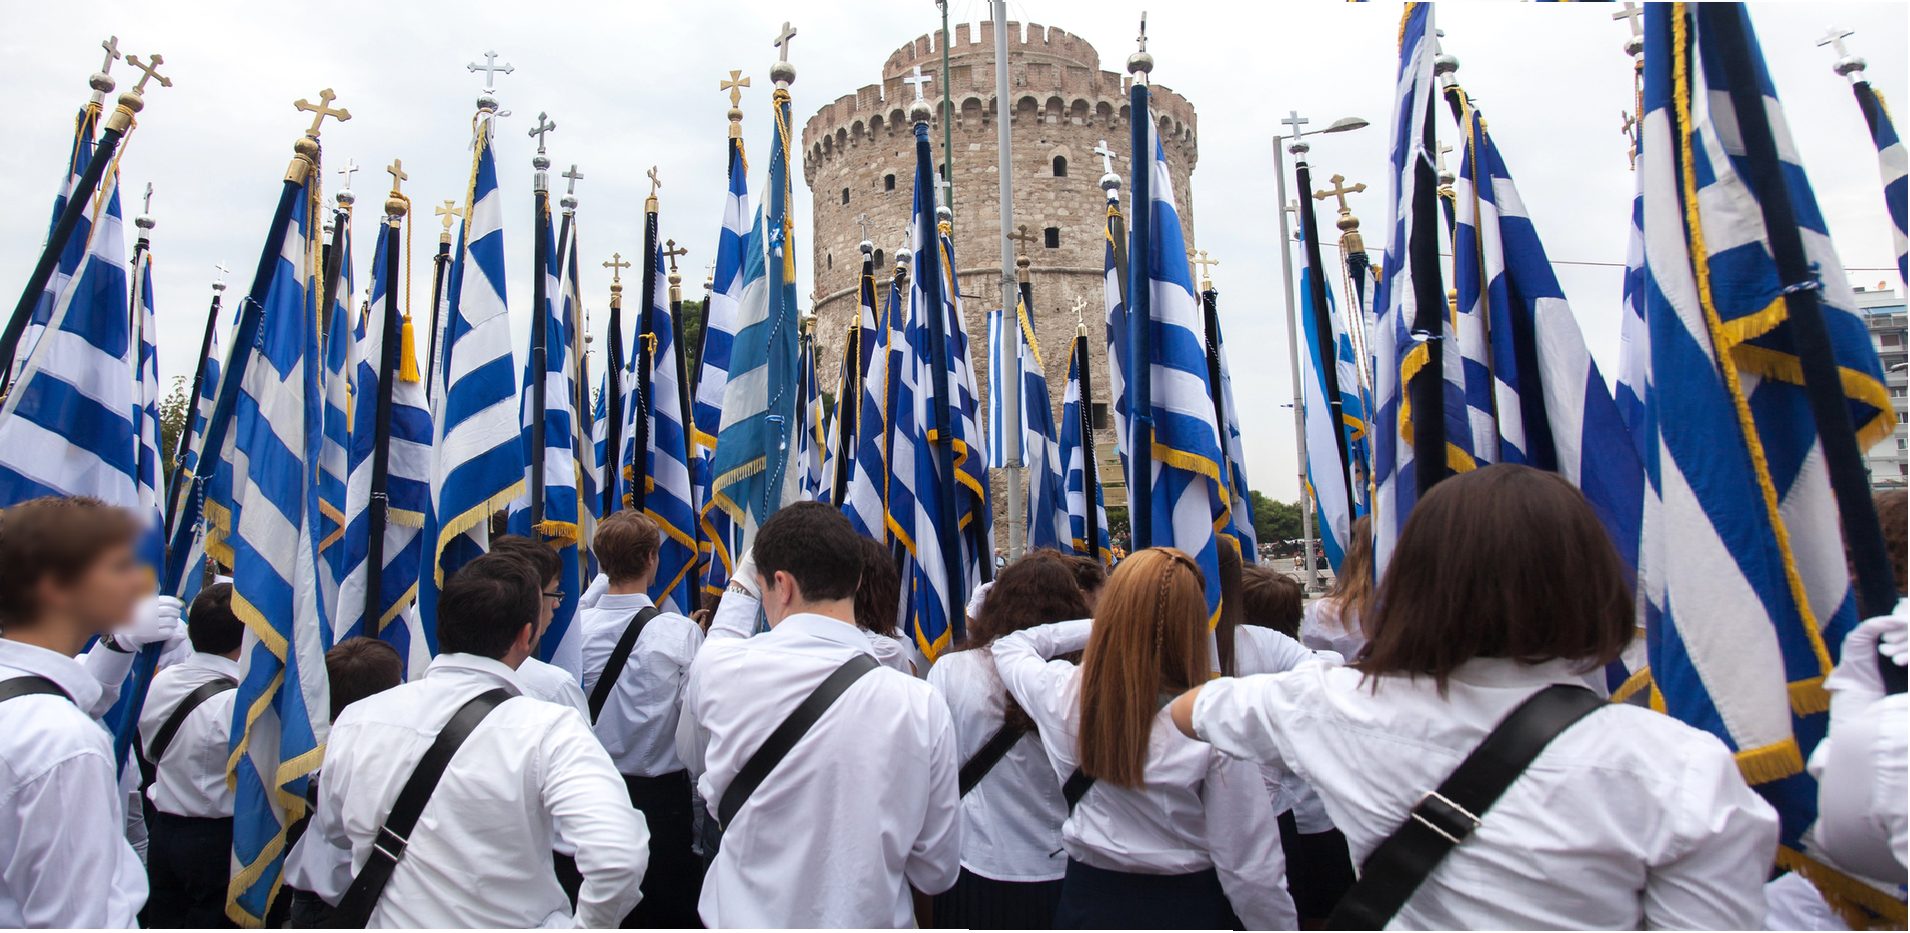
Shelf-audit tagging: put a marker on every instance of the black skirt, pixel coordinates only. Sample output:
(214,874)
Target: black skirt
(674,879)
(1099,899)
(978,902)
(1319,870)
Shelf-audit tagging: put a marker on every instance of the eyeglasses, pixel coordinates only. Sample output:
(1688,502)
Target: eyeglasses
(554,597)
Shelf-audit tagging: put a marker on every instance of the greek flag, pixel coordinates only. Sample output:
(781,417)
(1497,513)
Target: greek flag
(668,496)
(396,460)
(757,438)
(146,393)
(975,508)
(85,125)
(1116,327)
(1240,510)
(1750,597)
(999,333)
(1890,161)
(334,459)
(1328,480)
(1048,525)
(266,527)
(718,539)
(559,515)
(866,500)
(1087,517)
(477,463)
(1188,485)
(1634,342)
(814,437)
(584,431)
(839,459)
(1551,405)
(186,462)
(609,465)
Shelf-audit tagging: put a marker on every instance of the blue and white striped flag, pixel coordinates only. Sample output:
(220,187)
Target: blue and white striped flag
(1048,525)
(147,462)
(1891,162)
(584,430)
(1087,516)
(1750,597)
(1117,335)
(814,437)
(974,507)
(334,460)
(1240,508)
(265,522)
(866,500)
(718,539)
(406,447)
(477,454)
(669,499)
(1328,481)
(85,126)
(192,444)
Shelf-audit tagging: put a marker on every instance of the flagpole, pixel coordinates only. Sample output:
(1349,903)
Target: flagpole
(934,309)
(646,340)
(613,389)
(1091,471)
(1310,574)
(78,203)
(441,266)
(1328,349)
(1823,385)
(1426,391)
(378,514)
(1011,366)
(1140,308)
(540,314)
(198,386)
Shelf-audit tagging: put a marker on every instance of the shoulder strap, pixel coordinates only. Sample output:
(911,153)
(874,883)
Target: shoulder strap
(619,659)
(1076,787)
(988,756)
(29,685)
(1444,818)
(354,909)
(149,757)
(800,721)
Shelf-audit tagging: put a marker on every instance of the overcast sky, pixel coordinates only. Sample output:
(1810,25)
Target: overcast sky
(634,85)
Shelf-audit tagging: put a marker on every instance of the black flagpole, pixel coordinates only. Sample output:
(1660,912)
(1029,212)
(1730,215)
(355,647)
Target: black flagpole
(441,267)
(1328,351)
(1091,483)
(540,341)
(177,485)
(1138,366)
(388,365)
(1426,391)
(646,331)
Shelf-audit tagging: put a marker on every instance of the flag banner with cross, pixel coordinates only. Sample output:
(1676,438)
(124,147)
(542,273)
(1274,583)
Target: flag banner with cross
(1087,513)
(340,357)
(613,397)
(670,497)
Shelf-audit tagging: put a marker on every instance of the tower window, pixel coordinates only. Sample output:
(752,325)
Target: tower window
(829,261)
(1052,237)
(878,254)
(845,195)
(1060,166)
(888,182)
(1100,414)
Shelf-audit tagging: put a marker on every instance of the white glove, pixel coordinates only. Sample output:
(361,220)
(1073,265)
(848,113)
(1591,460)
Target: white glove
(746,578)
(1856,683)
(976,599)
(594,592)
(155,622)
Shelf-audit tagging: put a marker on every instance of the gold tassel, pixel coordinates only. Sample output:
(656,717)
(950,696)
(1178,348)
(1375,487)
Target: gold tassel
(407,353)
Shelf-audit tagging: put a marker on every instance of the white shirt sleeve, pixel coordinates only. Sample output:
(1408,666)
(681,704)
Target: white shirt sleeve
(1036,682)
(591,813)
(65,869)
(110,668)
(936,858)
(1712,875)
(1244,839)
(1245,717)
(323,863)
(735,616)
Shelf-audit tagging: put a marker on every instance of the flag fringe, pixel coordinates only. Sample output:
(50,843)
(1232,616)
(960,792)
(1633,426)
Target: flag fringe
(1859,904)
(1808,696)
(1772,762)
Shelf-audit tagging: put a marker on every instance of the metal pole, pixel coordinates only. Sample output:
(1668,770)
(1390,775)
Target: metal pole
(1010,291)
(1309,579)
(948,111)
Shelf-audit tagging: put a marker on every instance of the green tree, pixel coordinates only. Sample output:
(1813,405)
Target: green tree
(1274,520)
(173,412)
(693,336)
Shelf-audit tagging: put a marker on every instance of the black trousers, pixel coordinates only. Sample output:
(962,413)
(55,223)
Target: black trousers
(1319,870)
(674,881)
(978,902)
(1099,899)
(188,862)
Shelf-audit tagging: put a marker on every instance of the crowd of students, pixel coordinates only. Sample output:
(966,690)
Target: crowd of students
(1097,753)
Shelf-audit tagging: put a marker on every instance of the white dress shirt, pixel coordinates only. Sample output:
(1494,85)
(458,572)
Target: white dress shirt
(552,684)
(64,858)
(1011,821)
(1860,765)
(1322,629)
(530,776)
(1629,819)
(1196,809)
(892,652)
(638,722)
(861,809)
(191,776)
(1261,650)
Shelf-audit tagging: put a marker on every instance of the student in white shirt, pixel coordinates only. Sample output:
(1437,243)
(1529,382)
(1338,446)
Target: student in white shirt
(188,803)
(1860,765)
(67,574)
(637,721)
(1171,834)
(878,599)
(1332,622)
(1012,862)
(541,679)
(527,778)
(864,807)
(1503,582)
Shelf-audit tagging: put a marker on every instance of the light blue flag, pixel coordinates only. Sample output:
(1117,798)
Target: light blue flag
(477,453)
(266,527)
(1749,597)
(340,351)
(668,497)
(1087,516)
(396,459)
(866,499)
(718,537)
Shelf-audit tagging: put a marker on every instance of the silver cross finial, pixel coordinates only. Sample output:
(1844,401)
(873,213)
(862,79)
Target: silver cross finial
(917,78)
(573,177)
(149,199)
(490,68)
(111,45)
(1834,38)
(1107,157)
(222,270)
(1294,120)
(1439,159)
(544,125)
(782,40)
(654,183)
(1631,12)
(350,169)
(1142,38)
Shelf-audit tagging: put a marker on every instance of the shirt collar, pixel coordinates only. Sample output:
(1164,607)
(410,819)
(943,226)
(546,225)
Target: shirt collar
(474,666)
(836,631)
(1508,672)
(217,663)
(630,601)
(66,673)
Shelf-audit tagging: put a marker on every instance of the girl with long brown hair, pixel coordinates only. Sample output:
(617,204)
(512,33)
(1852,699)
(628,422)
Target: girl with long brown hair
(1164,831)
(1012,806)
(1332,623)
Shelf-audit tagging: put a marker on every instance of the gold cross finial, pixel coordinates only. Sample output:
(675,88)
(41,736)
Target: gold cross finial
(734,85)
(1023,236)
(654,183)
(1206,264)
(616,265)
(672,251)
(321,110)
(446,211)
(151,72)
(1339,190)
(111,45)
(397,172)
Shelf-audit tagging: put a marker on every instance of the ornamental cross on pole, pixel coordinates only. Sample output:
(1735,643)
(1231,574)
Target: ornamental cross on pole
(321,110)
(734,84)
(654,183)
(1142,38)
(149,200)
(350,169)
(397,172)
(1023,236)
(544,125)
(490,68)
(1631,12)
(1206,264)
(616,264)
(1339,190)
(671,251)
(782,40)
(446,211)
(1107,156)
(571,178)
(1294,120)
(862,221)
(1835,39)
(151,72)
(111,45)
(918,79)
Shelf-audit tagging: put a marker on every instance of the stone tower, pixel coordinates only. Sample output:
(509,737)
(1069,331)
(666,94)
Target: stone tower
(860,160)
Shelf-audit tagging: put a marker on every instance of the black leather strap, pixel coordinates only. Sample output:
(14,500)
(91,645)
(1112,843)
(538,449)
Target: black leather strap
(149,758)
(777,746)
(619,659)
(988,756)
(1444,818)
(354,909)
(1076,787)
(29,685)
